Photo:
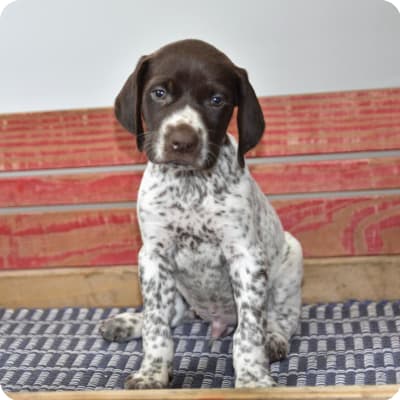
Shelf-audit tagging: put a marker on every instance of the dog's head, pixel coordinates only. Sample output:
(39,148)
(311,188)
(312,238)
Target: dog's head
(185,94)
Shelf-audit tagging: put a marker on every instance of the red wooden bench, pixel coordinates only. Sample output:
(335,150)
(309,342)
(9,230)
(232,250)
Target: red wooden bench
(330,163)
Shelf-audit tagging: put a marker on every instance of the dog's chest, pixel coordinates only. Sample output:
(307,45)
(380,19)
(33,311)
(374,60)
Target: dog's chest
(200,267)
(189,224)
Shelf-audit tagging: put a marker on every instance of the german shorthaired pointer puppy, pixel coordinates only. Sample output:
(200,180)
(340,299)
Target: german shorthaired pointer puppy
(212,244)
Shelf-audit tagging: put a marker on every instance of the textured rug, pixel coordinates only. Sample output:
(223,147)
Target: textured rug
(61,349)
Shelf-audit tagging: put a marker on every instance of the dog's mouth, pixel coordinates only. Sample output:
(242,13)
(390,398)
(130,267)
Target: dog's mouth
(180,164)
(193,161)
(200,157)
(192,164)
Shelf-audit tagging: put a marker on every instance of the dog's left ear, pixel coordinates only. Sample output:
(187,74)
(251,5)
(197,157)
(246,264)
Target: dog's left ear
(250,118)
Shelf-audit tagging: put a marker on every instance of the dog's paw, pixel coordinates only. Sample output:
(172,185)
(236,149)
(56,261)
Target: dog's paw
(251,380)
(277,345)
(122,327)
(146,380)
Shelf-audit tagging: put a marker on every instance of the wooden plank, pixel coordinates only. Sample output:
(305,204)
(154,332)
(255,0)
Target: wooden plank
(114,286)
(280,178)
(70,189)
(64,139)
(383,392)
(326,227)
(64,239)
(330,122)
(325,280)
(343,278)
(328,176)
(330,227)
(306,124)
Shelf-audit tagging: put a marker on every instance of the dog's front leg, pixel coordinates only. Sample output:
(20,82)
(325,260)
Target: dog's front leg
(158,291)
(249,282)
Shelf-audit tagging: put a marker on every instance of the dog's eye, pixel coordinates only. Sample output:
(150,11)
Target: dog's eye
(158,93)
(216,100)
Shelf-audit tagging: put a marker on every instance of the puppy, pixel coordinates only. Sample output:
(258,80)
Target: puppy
(212,244)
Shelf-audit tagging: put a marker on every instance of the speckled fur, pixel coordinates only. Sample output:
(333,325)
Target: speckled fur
(213,244)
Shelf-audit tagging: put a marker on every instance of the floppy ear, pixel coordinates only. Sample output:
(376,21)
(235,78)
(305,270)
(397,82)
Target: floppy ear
(250,118)
(128,104)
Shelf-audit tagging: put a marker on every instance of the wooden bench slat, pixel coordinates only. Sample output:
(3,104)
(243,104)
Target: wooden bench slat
(54,239)
(70,189)
(325,280)
(111,286)
(328,176)
(369,392)
(326,227)
(280,178)
(316,123)
(330,227)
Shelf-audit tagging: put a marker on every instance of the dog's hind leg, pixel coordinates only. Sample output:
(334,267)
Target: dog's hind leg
(284,300)
(128,326)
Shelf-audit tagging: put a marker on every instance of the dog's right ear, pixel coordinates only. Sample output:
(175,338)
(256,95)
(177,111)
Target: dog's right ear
(128,104)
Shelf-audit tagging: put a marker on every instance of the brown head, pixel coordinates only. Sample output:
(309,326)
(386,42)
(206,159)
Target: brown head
(185,94)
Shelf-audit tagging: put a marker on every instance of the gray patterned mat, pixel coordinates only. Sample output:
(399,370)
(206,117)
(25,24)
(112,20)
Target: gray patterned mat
(60,349)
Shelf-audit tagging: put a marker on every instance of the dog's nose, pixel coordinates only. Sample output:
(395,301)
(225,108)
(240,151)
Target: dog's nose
(183,139)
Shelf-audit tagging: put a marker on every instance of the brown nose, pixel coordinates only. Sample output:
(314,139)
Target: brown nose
(182,139)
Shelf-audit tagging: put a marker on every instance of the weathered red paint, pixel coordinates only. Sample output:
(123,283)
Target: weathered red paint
(336,122)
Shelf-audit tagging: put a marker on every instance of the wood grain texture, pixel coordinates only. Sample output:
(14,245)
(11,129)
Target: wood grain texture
(70,189)
(343,226)
(383,392)
(328,176)
(343,278)
(302,124)
(64,139)
(325,227)
(75,238)
(114,286)
(325,280)
(280,178)
(331,122)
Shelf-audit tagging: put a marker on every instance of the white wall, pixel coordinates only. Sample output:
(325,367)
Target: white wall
(60,54)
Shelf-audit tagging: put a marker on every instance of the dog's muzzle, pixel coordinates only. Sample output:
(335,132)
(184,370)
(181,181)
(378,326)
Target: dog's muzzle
(181,144)
(182,139)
